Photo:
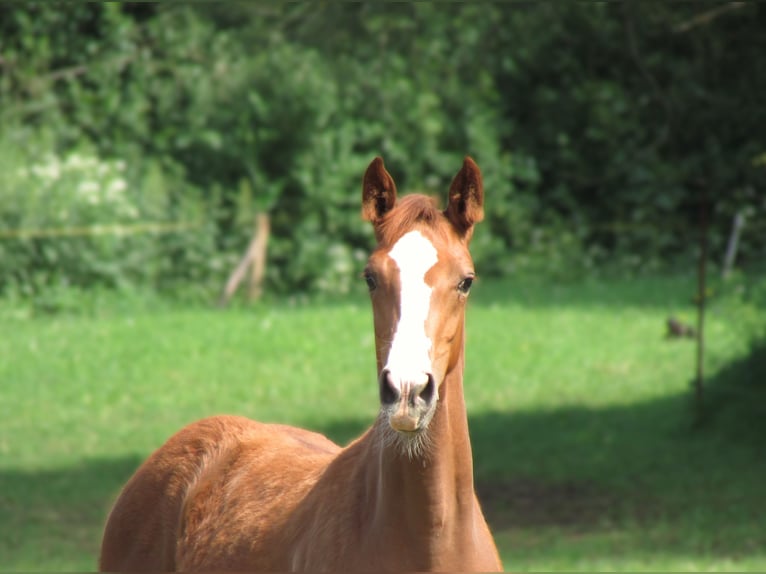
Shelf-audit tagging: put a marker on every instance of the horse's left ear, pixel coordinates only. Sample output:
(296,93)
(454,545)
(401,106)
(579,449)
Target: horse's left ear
(466,198)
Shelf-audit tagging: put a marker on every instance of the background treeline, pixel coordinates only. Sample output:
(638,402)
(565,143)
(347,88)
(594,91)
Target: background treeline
(138,141)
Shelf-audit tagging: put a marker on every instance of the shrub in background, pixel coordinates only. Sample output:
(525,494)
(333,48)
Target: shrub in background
(598,129)
(78,220)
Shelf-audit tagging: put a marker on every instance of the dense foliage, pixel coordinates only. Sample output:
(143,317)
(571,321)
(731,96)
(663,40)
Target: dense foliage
(603,131)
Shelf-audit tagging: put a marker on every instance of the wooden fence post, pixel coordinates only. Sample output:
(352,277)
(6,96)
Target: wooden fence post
(253,259)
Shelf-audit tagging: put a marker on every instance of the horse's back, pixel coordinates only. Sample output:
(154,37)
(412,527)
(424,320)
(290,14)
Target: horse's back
(164,519)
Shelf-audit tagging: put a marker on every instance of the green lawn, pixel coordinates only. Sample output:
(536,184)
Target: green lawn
(586,455)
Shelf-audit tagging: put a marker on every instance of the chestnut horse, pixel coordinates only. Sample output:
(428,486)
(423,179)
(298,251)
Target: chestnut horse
(228,493)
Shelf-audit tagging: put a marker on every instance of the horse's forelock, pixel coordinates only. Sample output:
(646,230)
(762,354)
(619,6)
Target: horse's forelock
(411,210)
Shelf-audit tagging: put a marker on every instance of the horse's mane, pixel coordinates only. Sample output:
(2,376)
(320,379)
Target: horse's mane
(410,210)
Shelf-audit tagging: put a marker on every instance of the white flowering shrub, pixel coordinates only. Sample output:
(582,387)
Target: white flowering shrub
(83,188)
(80,221)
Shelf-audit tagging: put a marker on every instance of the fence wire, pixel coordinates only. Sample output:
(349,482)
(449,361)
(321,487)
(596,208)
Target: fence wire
(93,230)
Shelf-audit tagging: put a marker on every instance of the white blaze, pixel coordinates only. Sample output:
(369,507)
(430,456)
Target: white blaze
(408,358)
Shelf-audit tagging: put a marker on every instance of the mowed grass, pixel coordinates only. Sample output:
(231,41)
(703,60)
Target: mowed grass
(586,452)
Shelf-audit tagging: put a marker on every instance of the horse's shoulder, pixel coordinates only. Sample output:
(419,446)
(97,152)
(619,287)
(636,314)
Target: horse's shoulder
(246,489)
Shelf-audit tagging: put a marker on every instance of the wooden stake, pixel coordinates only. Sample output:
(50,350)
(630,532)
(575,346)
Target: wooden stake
(731,248)
(254,259)
(259,244)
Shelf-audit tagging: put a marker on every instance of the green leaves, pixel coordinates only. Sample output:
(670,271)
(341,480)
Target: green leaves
(597,127)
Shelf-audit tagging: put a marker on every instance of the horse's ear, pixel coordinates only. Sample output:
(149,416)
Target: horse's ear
(378,191)
(466,198)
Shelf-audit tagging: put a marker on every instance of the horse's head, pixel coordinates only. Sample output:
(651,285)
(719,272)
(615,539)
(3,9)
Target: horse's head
(419,277)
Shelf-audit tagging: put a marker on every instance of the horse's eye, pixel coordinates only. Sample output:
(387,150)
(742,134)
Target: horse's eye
(465,285)
(370,279)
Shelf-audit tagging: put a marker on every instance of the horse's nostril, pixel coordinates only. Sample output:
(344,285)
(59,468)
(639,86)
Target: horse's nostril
(429,390)
(389,394)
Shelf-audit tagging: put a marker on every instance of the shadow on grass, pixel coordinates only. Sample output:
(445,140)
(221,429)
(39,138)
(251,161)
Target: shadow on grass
(55,517)
(735,399)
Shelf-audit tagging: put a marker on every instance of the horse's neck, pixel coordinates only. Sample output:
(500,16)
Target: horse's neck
(427,501)
(401,513)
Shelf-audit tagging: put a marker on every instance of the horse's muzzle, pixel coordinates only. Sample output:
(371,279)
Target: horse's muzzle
(408,401)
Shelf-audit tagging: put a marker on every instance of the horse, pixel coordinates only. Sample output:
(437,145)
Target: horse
(229,493)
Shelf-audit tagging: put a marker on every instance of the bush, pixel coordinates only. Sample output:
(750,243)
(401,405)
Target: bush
(592,126)
(83,221)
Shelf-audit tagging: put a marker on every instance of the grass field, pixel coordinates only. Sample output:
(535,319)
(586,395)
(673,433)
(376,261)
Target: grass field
(586,455)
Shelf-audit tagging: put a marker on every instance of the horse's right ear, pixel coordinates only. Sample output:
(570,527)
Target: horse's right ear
(378,191)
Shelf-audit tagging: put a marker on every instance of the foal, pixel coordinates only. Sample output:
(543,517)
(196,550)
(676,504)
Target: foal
(228,493)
